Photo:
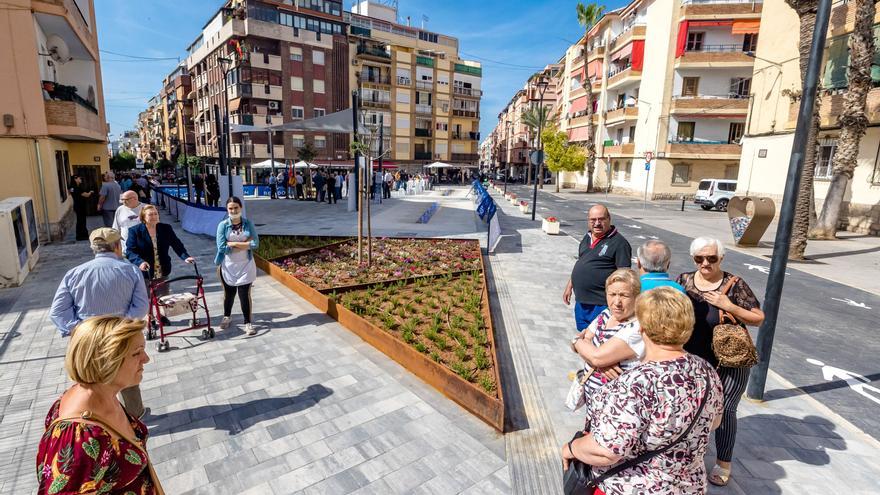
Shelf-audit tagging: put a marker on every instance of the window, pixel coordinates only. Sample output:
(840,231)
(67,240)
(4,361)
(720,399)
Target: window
(317,57)
(296,113)
(685,131)
(320,142)
(827,148)
(736,132)
(740,87)
(681,174)
(318,86)
(402,147)
(629,172)
(632,134)
(298,141)
(62,166)
(694,42)
(750,42)
(296,54)
(690,86)
(442,126)
(402,121)
(402,96)
(319,112)
(296,83)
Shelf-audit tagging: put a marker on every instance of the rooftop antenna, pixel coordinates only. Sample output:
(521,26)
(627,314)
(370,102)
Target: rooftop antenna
(424,21)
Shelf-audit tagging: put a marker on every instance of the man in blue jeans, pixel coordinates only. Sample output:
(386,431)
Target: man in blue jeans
(601,251)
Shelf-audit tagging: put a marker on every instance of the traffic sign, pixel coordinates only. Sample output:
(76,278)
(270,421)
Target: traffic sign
(536,157)
(647,165)
(649,155)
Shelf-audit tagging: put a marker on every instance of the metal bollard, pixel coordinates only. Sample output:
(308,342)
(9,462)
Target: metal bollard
(682,202)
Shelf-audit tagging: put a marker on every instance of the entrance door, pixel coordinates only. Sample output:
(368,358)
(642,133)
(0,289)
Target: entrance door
(91,177)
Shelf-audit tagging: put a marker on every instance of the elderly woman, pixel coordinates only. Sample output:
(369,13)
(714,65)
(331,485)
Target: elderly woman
(703,287)
(148,242)
(91,444)
(672,399)
(612,343)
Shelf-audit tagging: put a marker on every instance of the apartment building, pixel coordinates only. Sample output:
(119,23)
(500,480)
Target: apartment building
(176,111)
(772,119)
(52,106)
(428,98)
(267,63)
(151,131)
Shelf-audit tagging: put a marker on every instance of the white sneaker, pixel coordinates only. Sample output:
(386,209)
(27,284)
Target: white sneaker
(225,323)
(249,329)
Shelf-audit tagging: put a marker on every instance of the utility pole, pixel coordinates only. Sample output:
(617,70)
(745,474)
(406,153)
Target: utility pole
(779,261)
(356,172)
(543,83)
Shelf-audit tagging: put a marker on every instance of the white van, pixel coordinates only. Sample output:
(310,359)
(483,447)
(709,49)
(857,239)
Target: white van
(715,193)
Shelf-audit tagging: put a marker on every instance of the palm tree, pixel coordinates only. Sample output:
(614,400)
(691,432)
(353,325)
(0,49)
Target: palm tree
(805,209)
(535,118)
(853,121)
(588,15)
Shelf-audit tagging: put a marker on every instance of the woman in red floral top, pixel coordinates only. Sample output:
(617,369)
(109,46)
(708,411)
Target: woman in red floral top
(91,445)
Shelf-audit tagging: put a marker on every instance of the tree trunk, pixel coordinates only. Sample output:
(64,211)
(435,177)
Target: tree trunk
(805,208)
(557,181)
(591,136)
(853,121)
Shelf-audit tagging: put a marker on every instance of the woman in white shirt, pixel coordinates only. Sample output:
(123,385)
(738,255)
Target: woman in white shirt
(236,240)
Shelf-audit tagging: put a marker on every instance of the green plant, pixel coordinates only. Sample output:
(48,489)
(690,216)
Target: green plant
(462,370)
(480,358)
(417,299)
(441,342)
(431,334)
(408,336)
(435,356)
(389,321)
(419,346)
(461,353)
(487,383)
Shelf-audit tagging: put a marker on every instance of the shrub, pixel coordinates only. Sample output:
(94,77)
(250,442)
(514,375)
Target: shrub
(487,383)
(420,347)
(462,370)
(480,358)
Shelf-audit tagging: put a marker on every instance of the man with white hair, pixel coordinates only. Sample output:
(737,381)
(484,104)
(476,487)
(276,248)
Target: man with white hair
(653,258)
(106,285)
(109,198)
(127,215)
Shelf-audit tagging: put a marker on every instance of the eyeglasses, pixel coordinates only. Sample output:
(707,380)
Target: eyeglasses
(711,259)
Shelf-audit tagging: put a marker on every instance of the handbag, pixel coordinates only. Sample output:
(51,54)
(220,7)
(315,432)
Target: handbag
(577,396)
(88,418)
(731,341)
(578,479)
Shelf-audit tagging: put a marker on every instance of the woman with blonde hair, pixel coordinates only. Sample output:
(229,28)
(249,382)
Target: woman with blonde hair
(649,429)
(91,444)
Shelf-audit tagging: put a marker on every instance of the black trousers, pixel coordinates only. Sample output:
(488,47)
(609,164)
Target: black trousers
(299,191)
(244,299)
(273,191)
(82,231)
(386,190)
(331,194)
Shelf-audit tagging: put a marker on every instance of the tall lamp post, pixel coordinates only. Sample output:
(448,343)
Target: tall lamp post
(507,157)
(779,261)
(227,64)
(543,83)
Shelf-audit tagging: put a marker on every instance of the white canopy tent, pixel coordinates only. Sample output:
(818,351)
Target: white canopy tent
(439,165)
(302,164)
(268,164)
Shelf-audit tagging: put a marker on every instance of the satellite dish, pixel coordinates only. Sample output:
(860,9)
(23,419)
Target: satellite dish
(58,49)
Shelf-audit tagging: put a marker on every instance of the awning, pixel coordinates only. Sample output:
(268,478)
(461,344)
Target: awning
(438,165)
(302,164)
(745,27)
(578,134)
(234,104)
(594,69)
(268,164)
(578,105)
(623,52)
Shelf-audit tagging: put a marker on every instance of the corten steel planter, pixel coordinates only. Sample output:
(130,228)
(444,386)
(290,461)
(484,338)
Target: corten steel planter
(487,407)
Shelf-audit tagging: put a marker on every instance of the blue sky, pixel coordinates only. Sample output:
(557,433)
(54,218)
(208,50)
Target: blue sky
(511,38)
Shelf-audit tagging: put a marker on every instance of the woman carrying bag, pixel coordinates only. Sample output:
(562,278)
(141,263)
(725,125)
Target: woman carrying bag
(236,240)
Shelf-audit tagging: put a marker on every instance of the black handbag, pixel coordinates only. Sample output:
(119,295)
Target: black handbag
(578,479)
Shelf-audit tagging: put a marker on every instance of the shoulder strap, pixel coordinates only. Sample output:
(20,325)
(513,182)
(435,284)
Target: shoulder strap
(86,417)
(730,283)
(724,315)
(653,453)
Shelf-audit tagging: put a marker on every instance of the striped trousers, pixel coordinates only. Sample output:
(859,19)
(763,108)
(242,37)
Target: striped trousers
(733,381)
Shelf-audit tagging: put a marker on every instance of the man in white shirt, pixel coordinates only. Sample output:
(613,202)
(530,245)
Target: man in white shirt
(386,186)
(127,215)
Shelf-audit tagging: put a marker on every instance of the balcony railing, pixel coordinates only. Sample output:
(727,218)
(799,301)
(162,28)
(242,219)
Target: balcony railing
(422,155)
(613,71)
(373,51)
(367,102)
(465,157)
(425,85)
(423,132)
(424,109)
(67,93)
(372,78)
(467,136)
(467,92)
(717,48)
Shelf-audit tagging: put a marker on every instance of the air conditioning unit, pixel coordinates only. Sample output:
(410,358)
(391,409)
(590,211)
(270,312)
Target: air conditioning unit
(19,240)
(274,105)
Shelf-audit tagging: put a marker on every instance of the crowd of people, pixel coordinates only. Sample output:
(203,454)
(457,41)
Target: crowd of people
(331,185)
(653,387)
(109,197)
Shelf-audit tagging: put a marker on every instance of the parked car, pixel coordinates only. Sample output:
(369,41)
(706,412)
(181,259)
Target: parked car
(715,193)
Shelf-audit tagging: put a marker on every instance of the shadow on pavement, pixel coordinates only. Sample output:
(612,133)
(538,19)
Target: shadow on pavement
(237,417)
(816,388)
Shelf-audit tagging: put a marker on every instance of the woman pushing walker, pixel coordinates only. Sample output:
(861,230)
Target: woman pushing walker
(236,238)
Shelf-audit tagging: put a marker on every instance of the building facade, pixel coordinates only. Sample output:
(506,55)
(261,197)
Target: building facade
(413,80)
(772,120)
(53,106)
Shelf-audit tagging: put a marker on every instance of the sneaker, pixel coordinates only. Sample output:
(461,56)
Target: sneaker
(249,329)
(225,323)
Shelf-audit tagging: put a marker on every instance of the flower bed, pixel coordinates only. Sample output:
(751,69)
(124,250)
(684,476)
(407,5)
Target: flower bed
(274,246)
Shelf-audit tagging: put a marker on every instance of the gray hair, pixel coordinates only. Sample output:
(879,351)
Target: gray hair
(654,256)
(700,243)
(100,246)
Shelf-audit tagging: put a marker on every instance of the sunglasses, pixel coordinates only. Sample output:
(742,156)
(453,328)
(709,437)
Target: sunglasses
(711,259)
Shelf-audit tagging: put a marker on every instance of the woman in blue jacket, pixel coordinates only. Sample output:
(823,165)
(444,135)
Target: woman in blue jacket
(148,242)
(236,239)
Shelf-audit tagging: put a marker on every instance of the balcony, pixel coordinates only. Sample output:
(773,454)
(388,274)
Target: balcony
(466,136)
(425,85)
(620,115)
(635,32)
(596,52)
(580,119)
(255,150)
(376,103)
(465,157)
(467,92)
(259,120)
(620,150)
(423,132)
(732,105)
(719,150)
(700,8)
(426,61)
(422,155)
(424,109)
(263,60)
(384,79)
(404,81)
(620,76)
(460,112)
(378,53)
(729,55)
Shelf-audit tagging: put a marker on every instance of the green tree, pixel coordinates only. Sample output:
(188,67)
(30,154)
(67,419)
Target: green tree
(559,154)
(307,153)
(535,118)
(123,161)
(853,121)
(588,15)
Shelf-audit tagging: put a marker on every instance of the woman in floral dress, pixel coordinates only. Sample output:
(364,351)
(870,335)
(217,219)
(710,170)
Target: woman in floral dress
(90,444)
(652,405)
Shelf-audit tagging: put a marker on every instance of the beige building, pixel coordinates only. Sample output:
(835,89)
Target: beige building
(428,98)
(52,104)
(151,129)
(772,119)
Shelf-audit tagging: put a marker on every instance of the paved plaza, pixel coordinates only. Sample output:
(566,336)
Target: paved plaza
(305,406)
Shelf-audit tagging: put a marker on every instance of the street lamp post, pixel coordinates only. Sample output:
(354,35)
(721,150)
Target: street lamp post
(507,158)
(543,83)
(779,261)
(227,62)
